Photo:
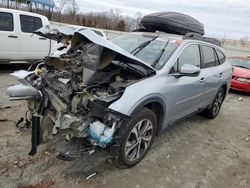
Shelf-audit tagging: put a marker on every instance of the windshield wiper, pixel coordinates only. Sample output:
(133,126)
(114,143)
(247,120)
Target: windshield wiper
(160,54)
(142,45)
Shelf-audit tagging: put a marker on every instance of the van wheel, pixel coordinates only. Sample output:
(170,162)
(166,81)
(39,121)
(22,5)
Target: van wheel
(213,110)
(137,138)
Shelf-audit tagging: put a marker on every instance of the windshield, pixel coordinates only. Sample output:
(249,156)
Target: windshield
(244,63)
(155,53)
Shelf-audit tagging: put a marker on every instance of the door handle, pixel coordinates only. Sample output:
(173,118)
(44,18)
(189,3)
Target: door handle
(13,36)
(42,38)
(221,74)
(202,80)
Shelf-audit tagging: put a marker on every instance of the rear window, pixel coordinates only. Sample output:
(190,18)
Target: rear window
(6,21)
(209,56)
(30,23)
(221,57)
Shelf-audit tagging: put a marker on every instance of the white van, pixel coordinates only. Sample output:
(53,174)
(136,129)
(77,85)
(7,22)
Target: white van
(17,43)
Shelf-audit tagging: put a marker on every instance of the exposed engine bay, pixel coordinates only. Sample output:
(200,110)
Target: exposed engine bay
(75,85)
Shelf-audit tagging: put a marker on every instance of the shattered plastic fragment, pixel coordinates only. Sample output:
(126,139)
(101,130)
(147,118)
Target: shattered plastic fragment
(240,99)
(90,176)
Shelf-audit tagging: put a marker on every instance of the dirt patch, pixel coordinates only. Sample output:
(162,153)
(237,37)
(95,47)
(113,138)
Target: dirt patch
(45,183)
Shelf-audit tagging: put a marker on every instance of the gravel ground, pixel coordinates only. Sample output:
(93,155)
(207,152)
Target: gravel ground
(195,153)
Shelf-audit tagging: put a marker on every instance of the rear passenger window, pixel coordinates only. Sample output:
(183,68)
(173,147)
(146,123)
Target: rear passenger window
(6,21)
(30,23)
(221,57)
(209,56)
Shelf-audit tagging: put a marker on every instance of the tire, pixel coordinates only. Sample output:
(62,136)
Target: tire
(134,144)
(213,110)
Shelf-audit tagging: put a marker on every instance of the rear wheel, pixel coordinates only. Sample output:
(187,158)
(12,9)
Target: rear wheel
(137,138)
(212,111)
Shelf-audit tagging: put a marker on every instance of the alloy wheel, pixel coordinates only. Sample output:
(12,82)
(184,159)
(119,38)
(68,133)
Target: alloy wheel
(139,139)
(217,103)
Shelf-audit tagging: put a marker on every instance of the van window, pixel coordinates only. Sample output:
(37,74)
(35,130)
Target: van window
(6,21)
(209,56)
(190,55)
(30,23)
(221,57)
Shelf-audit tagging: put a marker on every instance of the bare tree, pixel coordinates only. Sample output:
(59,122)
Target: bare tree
(243,41)
(121,25)
(138,18)
(114,15)
(83,21)
(19,2)
(89,23)
(72,8)
(223,40)
(78,19)
(62,4)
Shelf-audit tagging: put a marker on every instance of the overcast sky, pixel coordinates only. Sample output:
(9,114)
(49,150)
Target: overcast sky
(229,18)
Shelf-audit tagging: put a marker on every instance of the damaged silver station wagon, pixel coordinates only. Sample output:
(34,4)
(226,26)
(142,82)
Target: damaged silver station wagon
(109,99)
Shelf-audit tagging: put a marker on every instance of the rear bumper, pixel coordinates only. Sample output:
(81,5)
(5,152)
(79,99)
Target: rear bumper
(240,86)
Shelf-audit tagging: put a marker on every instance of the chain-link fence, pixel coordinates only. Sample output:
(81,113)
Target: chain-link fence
(236,48)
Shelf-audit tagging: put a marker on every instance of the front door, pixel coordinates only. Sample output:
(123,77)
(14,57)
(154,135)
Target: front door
(9,47)
(184,92)
(32,45)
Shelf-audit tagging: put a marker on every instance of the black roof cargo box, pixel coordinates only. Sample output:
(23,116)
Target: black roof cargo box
(172,22)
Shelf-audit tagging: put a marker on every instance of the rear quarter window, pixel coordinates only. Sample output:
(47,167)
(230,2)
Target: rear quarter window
(221,56)
(30,23)
(6,21)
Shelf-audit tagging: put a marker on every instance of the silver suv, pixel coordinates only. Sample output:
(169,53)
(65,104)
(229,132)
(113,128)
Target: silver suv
(115,97)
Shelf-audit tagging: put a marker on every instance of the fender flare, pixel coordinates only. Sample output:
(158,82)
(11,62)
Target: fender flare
(148,99)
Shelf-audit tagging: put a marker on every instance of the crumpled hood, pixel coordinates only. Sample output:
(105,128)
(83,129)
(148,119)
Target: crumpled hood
(54,32)
(88,35)
(241,72)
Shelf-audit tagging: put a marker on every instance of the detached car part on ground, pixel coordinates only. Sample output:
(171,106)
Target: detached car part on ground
(110,101)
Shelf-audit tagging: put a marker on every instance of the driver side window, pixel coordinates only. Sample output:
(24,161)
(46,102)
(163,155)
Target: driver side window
(190,55)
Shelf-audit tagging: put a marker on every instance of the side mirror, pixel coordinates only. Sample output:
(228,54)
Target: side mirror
(188,70)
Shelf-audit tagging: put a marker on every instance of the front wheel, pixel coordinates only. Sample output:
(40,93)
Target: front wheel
(137,138)
(212,111)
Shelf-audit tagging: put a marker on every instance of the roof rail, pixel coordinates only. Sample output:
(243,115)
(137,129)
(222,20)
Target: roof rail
(193,36)
(196,36)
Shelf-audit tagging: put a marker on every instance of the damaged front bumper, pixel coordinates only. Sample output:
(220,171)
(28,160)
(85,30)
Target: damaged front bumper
(92,135)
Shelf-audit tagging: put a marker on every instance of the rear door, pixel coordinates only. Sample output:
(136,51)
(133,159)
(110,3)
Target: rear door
(32,46)
(211,74)
(184,92)
(9,48)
